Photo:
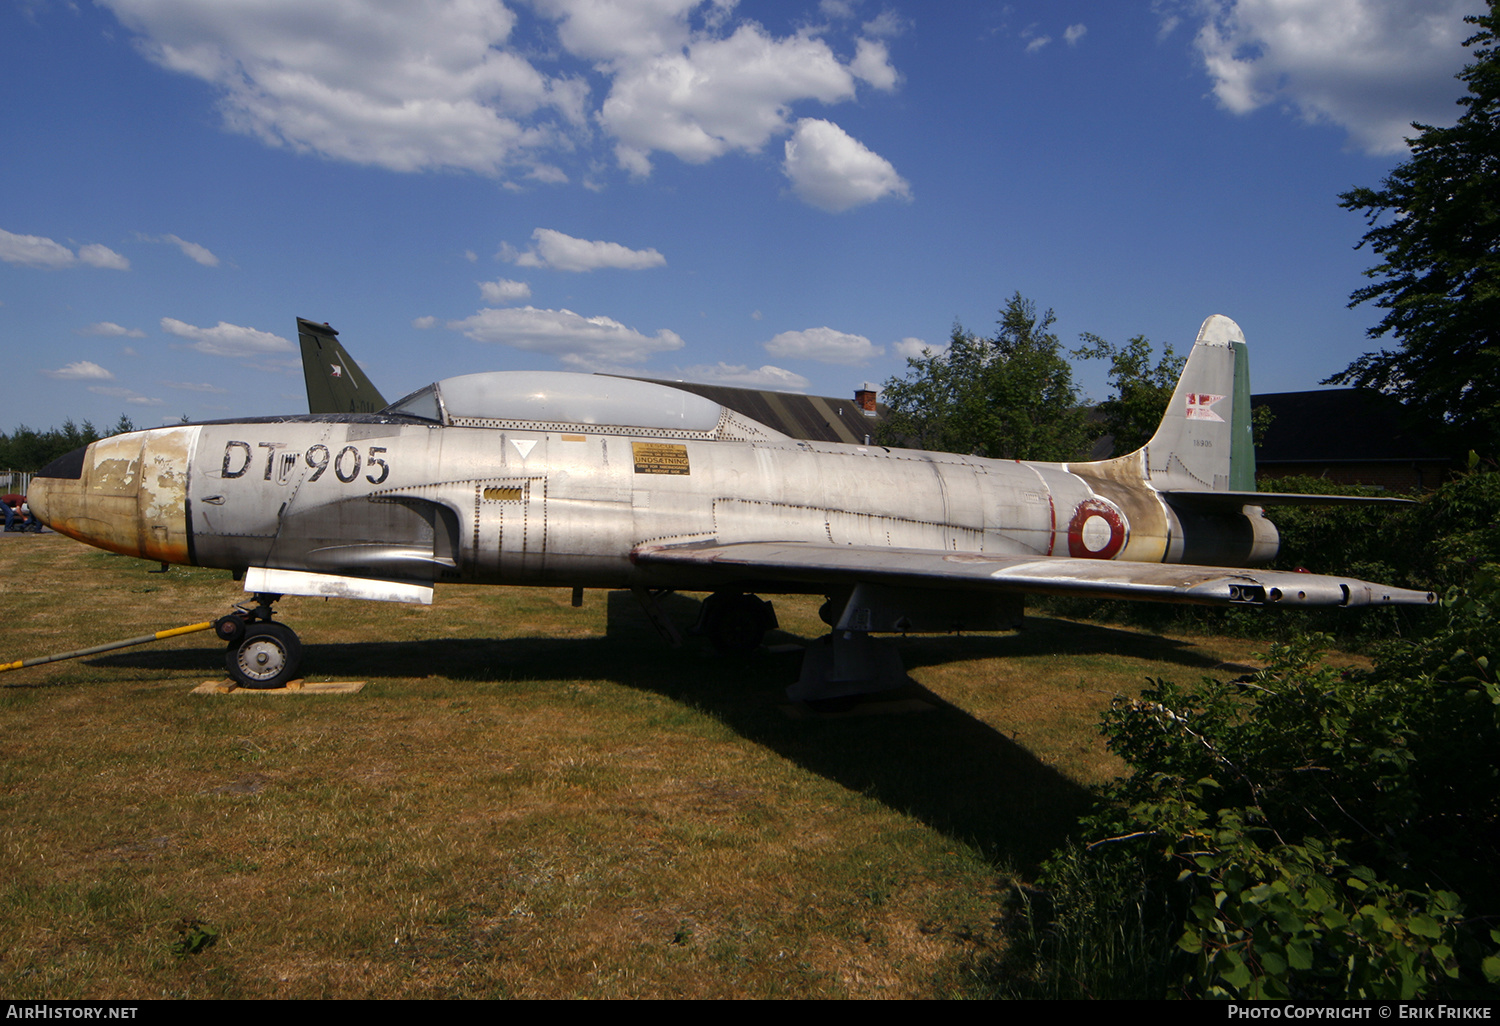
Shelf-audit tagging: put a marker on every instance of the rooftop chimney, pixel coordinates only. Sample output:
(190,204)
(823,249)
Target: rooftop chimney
(865,395)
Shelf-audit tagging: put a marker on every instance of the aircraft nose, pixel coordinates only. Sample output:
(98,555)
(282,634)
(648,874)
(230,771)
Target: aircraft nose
(50,486)
(127,494)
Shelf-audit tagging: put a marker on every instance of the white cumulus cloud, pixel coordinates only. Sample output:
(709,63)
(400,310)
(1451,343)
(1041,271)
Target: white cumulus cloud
(193,251)
(824,345)
(33,251)
(430,84)
(110,328)
(129,395)
(504,291)
(406,86)
(226,339)
(720,94)
(565,253)
(1073,33)
(1369,66)
(766,376)
(39,251)
(96,255)
(196,386)
(916,348)
(584,342)
(833,171)
(82,370)
(872,63)
(423,323)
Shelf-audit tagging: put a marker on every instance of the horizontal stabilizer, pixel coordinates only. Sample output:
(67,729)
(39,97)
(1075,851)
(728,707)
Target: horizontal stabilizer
(1207,500)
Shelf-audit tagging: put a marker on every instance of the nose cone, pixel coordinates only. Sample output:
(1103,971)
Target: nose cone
(127,494)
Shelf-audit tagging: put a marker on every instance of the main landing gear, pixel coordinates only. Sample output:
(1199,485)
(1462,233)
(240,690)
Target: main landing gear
(261,654)
(735,623)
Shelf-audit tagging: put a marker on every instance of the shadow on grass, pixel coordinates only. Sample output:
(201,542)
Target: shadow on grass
(945,767)
(1042,636)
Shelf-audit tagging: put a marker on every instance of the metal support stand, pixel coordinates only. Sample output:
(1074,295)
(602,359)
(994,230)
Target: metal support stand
(659,619)
(848,663)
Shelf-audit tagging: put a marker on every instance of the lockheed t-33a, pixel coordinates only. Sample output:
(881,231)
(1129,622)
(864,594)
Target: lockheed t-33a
(596,481)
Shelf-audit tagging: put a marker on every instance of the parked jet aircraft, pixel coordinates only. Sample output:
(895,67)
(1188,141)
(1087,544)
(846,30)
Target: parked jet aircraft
(595,481)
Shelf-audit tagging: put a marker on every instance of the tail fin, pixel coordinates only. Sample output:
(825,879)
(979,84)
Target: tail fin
(1204,442)
(335,384)
(1200,504)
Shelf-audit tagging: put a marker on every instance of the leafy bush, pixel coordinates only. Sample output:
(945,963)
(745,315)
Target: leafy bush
(1304,832)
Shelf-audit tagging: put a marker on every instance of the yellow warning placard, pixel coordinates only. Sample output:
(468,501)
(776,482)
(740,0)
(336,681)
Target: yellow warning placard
(659,458)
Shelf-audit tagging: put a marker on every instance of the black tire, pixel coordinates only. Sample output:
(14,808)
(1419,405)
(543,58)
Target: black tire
(267,656)
(736,624)
(230,628)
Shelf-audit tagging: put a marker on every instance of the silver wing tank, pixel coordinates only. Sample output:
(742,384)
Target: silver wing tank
(605,482)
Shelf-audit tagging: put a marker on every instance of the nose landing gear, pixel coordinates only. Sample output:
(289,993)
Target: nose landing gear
(261,654)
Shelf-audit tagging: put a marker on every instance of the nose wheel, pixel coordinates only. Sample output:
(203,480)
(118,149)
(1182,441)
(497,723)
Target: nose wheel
(261,654)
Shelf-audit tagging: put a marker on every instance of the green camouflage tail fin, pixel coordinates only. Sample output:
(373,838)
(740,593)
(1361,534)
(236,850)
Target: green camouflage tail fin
(335,384)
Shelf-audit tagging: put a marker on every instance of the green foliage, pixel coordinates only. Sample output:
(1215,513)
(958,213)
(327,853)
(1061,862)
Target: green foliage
(1295,920)
(1142,391)
(1437,543)
(1260,423)
(194,936)
(1435,224)
(1007,397)
(30,450)
(1309,832)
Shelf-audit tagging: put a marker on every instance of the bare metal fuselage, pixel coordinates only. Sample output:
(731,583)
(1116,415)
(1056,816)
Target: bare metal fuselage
(391,498)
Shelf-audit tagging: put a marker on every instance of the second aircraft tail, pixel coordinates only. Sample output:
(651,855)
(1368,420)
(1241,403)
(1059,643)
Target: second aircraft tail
(335,384)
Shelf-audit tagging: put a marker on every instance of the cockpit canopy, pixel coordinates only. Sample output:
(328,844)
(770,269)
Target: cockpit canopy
(547,400)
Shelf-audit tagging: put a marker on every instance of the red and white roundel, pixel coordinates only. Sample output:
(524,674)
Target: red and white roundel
(1097,530)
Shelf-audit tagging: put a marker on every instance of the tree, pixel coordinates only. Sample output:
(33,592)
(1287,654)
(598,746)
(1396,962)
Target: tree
(1142,391)
(1007,397)
(1435,223)
(31,450)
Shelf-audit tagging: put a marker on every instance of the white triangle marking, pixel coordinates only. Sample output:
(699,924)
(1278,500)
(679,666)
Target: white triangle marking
(523,446)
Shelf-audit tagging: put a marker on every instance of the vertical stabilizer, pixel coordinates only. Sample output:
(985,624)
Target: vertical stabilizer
(1204,442)
(335,384)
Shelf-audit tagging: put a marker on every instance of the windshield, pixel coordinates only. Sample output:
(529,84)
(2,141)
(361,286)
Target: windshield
(421,403)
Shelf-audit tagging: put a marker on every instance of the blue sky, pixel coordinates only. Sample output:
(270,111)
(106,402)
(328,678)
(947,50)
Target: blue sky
(783,194)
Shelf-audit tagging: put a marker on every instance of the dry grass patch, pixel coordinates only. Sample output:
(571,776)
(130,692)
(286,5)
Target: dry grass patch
(526,800)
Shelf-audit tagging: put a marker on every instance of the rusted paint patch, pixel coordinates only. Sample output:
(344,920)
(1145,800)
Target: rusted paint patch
(131,497)
(163,493)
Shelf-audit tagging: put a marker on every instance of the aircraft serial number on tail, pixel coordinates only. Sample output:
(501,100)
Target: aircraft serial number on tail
(281,465)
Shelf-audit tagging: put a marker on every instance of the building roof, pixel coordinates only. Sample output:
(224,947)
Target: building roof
(1329,425)
(1336,425)
(811,417)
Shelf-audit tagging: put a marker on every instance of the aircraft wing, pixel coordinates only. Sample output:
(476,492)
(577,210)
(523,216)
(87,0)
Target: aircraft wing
(812,563)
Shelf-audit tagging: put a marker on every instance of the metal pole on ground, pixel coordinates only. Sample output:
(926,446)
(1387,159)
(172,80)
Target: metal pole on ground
(142,640)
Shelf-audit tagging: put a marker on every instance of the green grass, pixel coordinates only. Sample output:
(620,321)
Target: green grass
(526,800)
